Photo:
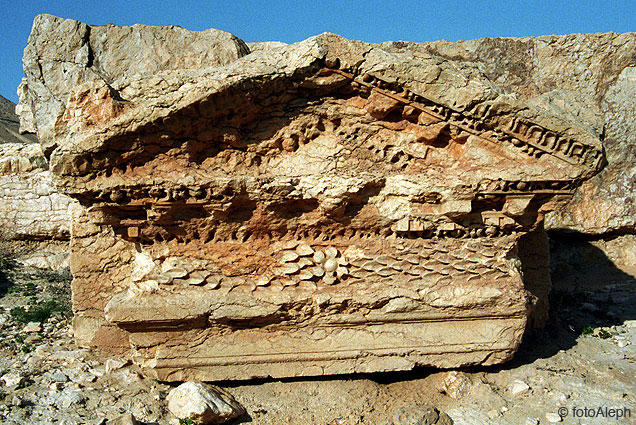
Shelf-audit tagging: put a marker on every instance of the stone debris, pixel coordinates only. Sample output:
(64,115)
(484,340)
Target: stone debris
(13,379)
(622,342)
(59,376)
(420,415)
(116,364)
(455,384)
(553,418)
(518,388)
(32,327)
(203,404)
(125,419)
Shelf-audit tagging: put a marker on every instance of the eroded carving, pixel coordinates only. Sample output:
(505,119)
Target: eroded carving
(310,210)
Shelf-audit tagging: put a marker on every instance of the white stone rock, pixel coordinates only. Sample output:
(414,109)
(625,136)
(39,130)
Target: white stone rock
(519,387)
(553,417)
(115,364)
(203,404)
(12,379)
(65,399)
(32,327)
(622,343)
(59,376)
(630,323)
(455,384)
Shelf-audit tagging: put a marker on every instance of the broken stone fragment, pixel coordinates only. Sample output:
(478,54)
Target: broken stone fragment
(116,364)
(13,379)
(519,387)
(455,384)
(203,404)
(420,415)
(125,419)
(32,327)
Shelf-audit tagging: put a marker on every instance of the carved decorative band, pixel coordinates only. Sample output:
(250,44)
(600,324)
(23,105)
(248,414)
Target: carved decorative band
(537,187)
(530,138)
(247,359)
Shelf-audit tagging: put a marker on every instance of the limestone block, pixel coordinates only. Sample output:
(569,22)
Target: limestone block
(30,206)
(62,53)
(26,214)
(318,208)
(203,404)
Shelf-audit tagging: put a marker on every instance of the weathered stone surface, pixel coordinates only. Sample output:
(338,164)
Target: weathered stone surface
(420,416)
(12,379)
(31,207)
(62,53)
(319,208)
(590,78)
(455,384)
(125,419)
(265,45)
(203,404)
(10,123)
(518,388)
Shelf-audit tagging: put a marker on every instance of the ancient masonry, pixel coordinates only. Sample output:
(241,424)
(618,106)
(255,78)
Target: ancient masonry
(31,208)
(320,208)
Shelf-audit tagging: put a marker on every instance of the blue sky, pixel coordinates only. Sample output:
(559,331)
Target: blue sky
(291,21)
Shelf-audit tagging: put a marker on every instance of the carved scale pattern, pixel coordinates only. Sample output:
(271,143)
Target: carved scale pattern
(313,265)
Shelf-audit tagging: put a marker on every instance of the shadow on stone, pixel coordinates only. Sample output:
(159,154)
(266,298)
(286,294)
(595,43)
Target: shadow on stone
(6,264)
(588,291)
(245,419)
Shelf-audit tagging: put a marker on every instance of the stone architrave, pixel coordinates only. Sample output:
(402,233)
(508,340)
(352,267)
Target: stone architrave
(320,208)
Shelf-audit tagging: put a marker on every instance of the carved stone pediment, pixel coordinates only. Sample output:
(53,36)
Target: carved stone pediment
(320,208)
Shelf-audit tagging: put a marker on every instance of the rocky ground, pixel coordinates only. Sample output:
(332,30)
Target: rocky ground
(584,359)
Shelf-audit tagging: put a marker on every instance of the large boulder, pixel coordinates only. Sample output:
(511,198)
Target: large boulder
(318,208)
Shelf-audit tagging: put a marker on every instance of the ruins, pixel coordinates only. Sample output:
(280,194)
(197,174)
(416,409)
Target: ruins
(319,208)
(31,208)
